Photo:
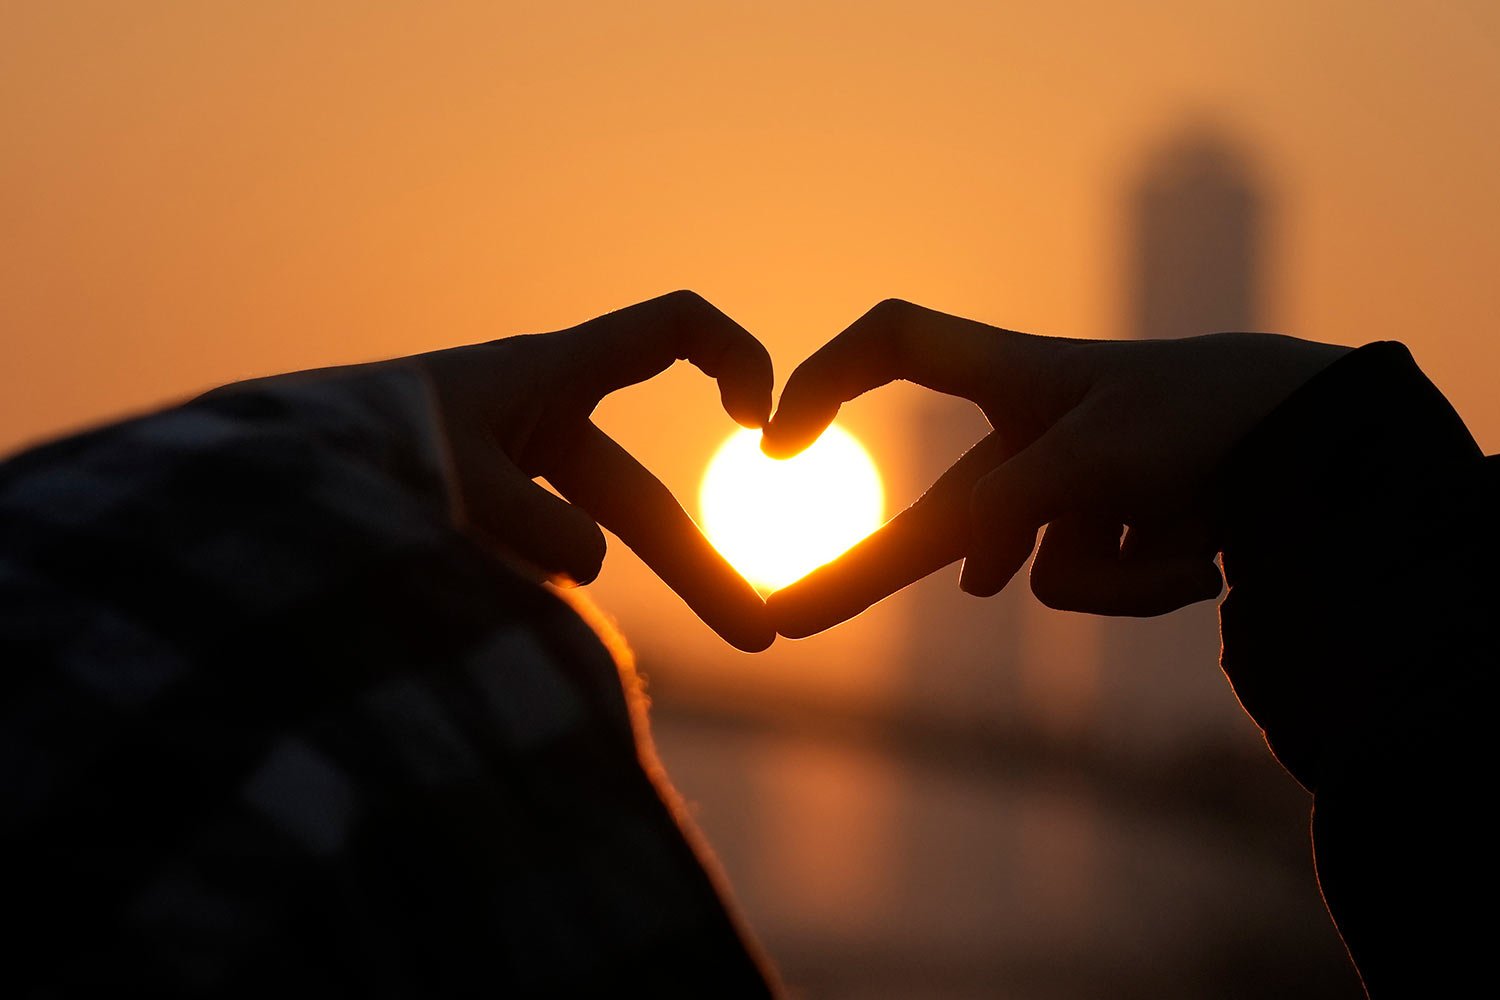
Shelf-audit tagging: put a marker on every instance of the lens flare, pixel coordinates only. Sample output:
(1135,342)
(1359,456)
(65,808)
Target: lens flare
(777,520)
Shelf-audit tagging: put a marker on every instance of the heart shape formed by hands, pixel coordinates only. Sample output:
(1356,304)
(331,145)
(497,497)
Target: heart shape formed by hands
(1111,446)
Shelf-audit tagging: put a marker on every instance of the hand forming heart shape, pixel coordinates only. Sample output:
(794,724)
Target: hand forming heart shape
(1115,447)
(519,408)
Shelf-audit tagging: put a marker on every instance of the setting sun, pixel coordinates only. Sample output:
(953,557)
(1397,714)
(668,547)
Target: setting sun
(776,520)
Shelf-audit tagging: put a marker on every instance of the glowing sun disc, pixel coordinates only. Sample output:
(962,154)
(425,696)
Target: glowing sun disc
(777,520)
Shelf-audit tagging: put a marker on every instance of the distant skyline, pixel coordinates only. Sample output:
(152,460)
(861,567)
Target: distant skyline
(193,193)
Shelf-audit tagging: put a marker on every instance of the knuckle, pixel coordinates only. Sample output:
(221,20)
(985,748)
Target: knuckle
(683,310)
(685,303)
(676,309)
(891,314)
(899,329)
(881,325)
(683,297)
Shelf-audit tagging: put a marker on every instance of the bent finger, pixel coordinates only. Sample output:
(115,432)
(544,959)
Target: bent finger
(623,496)
(506,508)
(894,340)
(1052,475)
(1082,566)
(638,342)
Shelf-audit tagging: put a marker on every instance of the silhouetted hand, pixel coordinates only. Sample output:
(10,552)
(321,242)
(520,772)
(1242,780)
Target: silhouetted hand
(1110,444)
(519,408)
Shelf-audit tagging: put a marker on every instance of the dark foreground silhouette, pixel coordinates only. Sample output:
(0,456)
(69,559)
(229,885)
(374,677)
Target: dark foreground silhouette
(288,706)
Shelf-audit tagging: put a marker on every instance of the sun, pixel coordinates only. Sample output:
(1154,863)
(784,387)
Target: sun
(777,520)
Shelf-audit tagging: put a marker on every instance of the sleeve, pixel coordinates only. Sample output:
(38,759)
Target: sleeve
(270,722)
(1360,546)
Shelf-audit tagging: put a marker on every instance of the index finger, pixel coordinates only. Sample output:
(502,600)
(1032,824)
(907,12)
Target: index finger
(638,342)
(922,539)
(622,495)
(894,340)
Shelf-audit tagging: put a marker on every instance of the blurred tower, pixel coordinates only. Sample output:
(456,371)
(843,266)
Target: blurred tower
(1145,688)
(1196,252)
(1196,234)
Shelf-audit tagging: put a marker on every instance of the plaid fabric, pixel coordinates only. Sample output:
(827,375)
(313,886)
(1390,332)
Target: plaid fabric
(270,722)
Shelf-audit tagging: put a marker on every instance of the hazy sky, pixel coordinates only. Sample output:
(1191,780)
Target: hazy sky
(197,192)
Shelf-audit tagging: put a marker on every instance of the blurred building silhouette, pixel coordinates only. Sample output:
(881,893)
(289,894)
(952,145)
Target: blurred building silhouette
(1196,220)
(1143,688)
(1195,245)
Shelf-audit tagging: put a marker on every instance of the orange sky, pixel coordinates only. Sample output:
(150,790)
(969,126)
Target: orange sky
(194,193)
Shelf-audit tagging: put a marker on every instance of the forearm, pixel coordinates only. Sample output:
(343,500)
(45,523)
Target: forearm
(1359,546)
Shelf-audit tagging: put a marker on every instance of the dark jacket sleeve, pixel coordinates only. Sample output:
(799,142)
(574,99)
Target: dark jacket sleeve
(1361,551)
(269,723)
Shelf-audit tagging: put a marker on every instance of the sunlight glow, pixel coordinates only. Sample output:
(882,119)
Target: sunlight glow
(776,521)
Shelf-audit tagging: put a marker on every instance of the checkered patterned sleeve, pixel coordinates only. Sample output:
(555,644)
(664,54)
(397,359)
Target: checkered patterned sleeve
(268,721)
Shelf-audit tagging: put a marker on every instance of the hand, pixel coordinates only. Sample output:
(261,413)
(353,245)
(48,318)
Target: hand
(1109,444)
(519,408)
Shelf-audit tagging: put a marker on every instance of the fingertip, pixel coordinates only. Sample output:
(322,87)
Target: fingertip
(585,560)
(808,607)
(787,435)
(781,610)
(746,379)
(797,630)
(747,406)
(968,578)
(778,446)
(804,412)
(738,615)
(978,580)
(752,641)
